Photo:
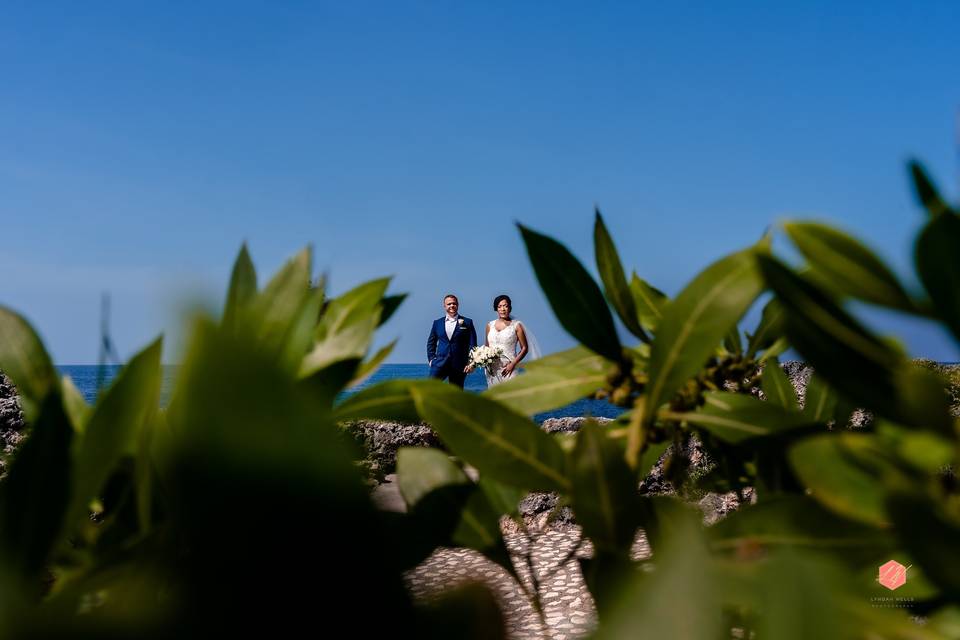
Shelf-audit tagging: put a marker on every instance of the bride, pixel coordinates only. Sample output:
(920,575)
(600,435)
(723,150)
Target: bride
(509,333)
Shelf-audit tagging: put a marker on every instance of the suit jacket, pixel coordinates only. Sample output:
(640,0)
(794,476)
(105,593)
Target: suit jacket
(454,351)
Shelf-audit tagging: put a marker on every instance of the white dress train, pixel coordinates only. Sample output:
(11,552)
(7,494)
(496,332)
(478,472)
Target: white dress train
(507,338)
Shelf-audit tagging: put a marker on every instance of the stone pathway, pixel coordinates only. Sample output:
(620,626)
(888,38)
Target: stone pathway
(568,607)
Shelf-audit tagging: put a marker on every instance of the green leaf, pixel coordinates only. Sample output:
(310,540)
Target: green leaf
(575,298)
(777,387)
(498,442)
(243,287)
(926,191)
(649,302)
(929,533)
(277,305)
(735,417)
(732,342)
(798,522)
(504,499)
(848,267)
(833,469)
(604,491)
(390,305)
(768,331)
(650,601)
(614,281)
(696,321)
(371,365)
(421,470)
(114,427)
(848,356)
(347,326)
(820,401)
(546,389)
(74,404)
(389,400)
(579,358)
(938,265)
(35,493)
(25,361)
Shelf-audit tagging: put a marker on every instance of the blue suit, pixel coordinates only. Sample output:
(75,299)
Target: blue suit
(448,356)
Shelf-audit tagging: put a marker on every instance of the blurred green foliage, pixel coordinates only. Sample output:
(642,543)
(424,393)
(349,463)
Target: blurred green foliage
(227,511)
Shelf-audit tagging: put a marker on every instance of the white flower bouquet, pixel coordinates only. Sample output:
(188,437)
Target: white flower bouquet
(484,356)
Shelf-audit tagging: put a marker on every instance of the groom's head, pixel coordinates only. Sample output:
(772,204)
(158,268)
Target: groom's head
(451,304)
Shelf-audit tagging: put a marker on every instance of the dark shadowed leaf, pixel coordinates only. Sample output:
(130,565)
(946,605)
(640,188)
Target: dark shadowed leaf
(849,357)
(34,495)
(575,298)
(546,389)
(371,365)
(604,490)
(732,342)
(930,534)
(696,321)
(113,429)
(501,444)
(926,191)
(938,265)
(777,387)
(735,417)
(390,305)
(820,400)
(649,302)
(25,361)
(614,281)
(848,267)
(833,468)
(243,287)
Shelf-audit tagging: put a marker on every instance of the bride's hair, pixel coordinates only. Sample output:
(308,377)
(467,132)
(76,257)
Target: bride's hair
(501,298)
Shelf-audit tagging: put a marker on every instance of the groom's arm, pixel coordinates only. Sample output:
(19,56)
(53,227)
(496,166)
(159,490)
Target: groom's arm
(431,345)
(473,336)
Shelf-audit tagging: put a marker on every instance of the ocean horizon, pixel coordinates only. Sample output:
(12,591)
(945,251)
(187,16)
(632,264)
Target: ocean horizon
(87,376)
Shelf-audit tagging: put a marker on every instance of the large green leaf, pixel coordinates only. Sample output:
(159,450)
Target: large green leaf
(652,605)
(849,357)
(347,326)
(422,470)
(546,389)
(800,522)
(930,533)
(502,444)
(768,331)
(604,490)
(35,494)
(735,417)
(820,401)
(114,427)
(696,321)
(777,387)
(847,266)
(578,357)
(614,281)
(575,298)
(390,306)
(277,305)
(389,400)
(243,287)
(74,404)
(649,302)
(25,361)
(371,365)
(926,191)
(938,265)
(836,471)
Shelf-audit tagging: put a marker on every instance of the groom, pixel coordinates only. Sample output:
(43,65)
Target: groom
(449,343)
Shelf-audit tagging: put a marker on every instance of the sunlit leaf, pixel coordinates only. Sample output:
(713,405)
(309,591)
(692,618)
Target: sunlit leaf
(649,302)
(546,389)
(735,417)
(25,361)
(614,281)
(777,387)
(243,287)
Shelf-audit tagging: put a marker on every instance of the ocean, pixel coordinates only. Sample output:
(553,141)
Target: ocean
(85,378)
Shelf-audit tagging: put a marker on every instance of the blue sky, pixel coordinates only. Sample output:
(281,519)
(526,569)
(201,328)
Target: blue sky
(142,143)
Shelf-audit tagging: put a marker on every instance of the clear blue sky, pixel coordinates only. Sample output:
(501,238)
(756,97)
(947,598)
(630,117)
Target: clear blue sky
(140,144)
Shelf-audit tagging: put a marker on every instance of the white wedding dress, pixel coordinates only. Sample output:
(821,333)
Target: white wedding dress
(507,338)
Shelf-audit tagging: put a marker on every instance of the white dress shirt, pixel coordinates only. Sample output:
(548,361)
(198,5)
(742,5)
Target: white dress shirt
(450,324)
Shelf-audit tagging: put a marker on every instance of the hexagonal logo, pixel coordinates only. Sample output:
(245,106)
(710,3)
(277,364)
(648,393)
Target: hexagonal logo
(892,575)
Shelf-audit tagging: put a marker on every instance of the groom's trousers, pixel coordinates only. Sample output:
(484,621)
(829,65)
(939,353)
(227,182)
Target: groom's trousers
(448,372)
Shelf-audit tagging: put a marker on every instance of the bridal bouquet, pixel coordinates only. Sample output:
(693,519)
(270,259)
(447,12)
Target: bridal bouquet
(484,356)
